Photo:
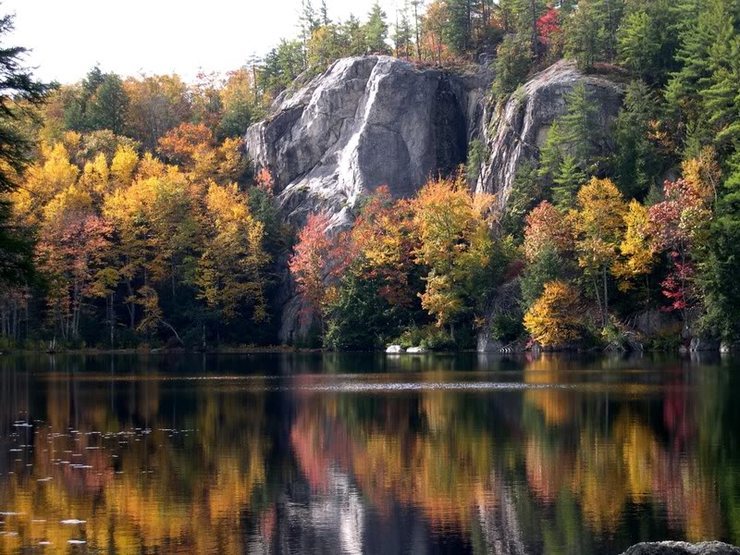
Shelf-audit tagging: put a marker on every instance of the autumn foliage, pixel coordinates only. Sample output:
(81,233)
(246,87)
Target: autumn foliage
(555,320)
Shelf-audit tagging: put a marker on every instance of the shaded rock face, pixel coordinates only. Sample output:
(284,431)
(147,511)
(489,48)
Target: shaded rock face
(517,130)
(365,122)
(683,548)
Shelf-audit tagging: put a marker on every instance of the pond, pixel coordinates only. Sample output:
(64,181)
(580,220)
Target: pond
(328,453)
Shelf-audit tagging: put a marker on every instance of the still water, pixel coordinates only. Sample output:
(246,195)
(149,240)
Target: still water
(329,453)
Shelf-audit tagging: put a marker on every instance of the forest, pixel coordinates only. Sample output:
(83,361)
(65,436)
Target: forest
(131,216)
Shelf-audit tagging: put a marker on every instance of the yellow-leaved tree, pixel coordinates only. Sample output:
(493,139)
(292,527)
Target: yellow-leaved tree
(598,224)
(230,272)
(455,244)
(554,318)
(638,248)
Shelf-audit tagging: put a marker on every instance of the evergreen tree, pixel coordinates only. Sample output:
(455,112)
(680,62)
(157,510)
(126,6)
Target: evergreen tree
(526,191)
(705,52)
(376,31)
(637,162)
(513,62)
(579,128)
(106,109)
(309,21)
(548,265)
(403,35)
(458,29)
(19,91)
(417,27)
(567,183)
(636,43)
(324,14)
(353,36)
(721,92)
(592,31)
(721,270)
(584,35)
(282,65)
(647,40)
(551,155)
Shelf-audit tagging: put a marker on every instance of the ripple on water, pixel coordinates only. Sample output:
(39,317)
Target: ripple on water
(425,386)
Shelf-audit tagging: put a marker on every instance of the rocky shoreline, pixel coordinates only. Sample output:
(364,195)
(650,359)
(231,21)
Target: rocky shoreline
(682,548)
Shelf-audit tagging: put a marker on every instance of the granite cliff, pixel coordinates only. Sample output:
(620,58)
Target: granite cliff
(365,122)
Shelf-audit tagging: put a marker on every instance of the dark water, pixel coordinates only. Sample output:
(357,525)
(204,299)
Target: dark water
(366,454)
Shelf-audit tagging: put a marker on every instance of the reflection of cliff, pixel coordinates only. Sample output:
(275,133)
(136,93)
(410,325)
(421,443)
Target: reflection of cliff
(442,472)
(404,461)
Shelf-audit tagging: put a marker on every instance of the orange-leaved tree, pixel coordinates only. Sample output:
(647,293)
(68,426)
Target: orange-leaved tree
(546,228)
(383,240)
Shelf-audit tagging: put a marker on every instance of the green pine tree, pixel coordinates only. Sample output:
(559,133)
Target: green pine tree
(719,271)
(376,31)
(721,93)
(513,63)
(704,49)
(19,93)
(580,128)
(403,34)
(637,162)
(568,180)
(551,154)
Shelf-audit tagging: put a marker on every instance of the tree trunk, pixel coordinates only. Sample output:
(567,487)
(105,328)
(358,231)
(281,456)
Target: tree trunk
(598,296)
(416,29)
(533,15)
(174,331)
(606,297)
(111,319)
(130,306)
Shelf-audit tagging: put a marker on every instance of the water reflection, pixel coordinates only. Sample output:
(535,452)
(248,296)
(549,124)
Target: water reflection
(325,453)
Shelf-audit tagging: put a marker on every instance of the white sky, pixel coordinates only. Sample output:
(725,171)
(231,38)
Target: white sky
(129,37)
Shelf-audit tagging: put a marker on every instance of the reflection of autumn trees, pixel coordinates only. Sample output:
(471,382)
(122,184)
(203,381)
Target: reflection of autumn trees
(407,450)
(555,404)
(141,485)
(625,461)
(607,450)
(191,466)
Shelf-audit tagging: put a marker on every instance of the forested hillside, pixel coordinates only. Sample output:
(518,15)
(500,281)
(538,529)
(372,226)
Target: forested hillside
(135,216)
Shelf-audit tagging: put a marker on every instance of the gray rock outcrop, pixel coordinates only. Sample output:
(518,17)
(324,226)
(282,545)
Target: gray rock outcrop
(682,548)
(365,122)
(517,129)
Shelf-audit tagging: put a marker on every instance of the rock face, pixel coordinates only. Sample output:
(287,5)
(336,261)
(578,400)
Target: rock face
(682,548)
(516,131)
(365,122)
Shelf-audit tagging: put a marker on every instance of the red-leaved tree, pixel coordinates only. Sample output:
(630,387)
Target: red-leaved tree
(318,259)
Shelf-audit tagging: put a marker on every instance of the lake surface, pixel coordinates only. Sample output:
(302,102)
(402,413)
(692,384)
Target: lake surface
(312,453)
